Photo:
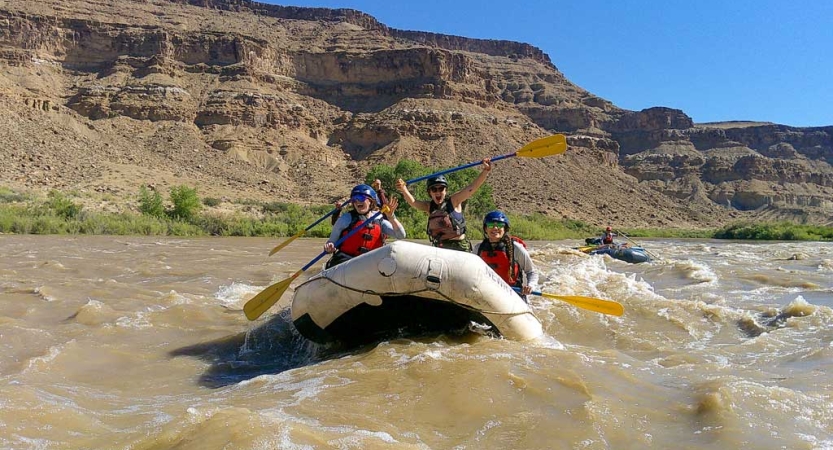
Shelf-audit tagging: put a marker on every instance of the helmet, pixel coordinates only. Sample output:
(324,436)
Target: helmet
(363,191)
(496,216)
(439,179)
(608,229)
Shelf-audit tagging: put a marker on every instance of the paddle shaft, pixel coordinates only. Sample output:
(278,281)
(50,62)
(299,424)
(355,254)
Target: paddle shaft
(547,146)
(454,169)
(327,215)
(301,233)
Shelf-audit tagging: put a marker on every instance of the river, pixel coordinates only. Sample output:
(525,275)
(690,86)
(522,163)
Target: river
(140,343)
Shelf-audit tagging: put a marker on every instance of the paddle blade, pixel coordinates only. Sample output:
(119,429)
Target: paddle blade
(286,242)
(261,302)
(587,248)
(591,304)
(548,146)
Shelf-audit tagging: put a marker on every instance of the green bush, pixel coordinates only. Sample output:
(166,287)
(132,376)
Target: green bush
(186,203)
(211,202)
(150,203)
(62,206)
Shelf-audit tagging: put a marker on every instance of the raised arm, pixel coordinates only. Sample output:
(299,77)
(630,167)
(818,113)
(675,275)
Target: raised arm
(464,194)
(402,187)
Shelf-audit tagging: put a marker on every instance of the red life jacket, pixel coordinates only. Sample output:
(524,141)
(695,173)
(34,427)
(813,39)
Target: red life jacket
(497,258)
(362,241)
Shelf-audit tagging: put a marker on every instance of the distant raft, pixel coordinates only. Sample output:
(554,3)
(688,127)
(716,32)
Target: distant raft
(407,289)
(622,252)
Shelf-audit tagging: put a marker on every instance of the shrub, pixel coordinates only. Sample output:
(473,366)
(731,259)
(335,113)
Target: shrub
(211,202)
(186,203)
(62,206)
(150,204)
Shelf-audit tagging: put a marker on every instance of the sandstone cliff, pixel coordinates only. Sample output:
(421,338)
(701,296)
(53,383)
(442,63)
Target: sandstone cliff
(254,101)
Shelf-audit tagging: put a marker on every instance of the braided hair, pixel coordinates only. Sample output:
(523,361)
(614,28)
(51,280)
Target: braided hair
(510,252)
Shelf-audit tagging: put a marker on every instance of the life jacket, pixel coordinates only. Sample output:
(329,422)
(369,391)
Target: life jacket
(496,257)
(363,241)
(607,238)
(444,223)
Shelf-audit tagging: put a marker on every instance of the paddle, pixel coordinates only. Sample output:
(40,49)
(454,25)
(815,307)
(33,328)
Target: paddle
(261,302)
(587,248)
(589,303)
(539,148)
(301,233)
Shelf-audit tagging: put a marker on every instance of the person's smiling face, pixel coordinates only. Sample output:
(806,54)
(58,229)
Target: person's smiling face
(437,193)
(495,231)
(361,203)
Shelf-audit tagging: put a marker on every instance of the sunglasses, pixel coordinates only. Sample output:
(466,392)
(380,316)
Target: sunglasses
(359,198)
(495,224)
(436,188)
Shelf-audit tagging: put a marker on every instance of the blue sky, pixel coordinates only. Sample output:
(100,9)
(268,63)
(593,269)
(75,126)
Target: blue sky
(761,60)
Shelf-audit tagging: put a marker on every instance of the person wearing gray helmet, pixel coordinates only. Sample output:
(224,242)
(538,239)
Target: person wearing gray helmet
(446,223)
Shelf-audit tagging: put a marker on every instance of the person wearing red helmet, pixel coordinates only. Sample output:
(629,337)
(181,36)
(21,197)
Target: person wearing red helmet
(365,201)
(446,223)
(607,236)
(507,254)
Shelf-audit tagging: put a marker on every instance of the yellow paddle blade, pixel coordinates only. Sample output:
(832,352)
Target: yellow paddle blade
(587,248)
(548,146)
(589,303)
(261,302)
(286,242)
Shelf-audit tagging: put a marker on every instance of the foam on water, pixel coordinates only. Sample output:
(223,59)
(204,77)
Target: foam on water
(236,294)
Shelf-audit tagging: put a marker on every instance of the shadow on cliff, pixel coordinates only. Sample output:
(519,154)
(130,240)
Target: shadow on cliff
(271,348)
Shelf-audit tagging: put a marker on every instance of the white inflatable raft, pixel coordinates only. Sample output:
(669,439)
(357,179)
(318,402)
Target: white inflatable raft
(407,288)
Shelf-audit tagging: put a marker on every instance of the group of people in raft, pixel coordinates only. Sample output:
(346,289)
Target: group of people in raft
(504,253)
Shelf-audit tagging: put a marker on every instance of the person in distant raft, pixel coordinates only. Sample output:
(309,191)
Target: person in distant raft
(607,237)
(446,223)
(507,254)
(364,201)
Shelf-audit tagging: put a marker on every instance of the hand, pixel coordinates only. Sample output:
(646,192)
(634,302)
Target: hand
(338,204)
(392,204)
(401,186)
(487,164)
(526,290)
(377,184)
(329,247)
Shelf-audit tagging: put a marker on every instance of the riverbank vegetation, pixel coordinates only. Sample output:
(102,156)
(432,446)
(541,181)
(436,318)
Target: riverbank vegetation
(183,213)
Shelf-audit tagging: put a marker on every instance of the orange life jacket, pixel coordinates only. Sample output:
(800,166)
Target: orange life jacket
(362,241)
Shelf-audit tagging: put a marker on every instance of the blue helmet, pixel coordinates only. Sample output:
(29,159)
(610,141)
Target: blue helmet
(439,179)
(363,191)
(496,216)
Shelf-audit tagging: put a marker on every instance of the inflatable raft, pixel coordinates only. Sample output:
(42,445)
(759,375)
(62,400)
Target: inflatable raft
(622,252)
(407,289)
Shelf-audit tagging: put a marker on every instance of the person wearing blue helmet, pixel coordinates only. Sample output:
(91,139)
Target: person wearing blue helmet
(446,223)
(365,201)
(380,193)
(507,254)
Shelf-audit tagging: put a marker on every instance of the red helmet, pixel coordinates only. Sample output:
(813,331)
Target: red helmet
(608,229)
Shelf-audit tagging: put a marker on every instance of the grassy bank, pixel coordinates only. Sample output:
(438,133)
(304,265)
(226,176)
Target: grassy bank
(184,214)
